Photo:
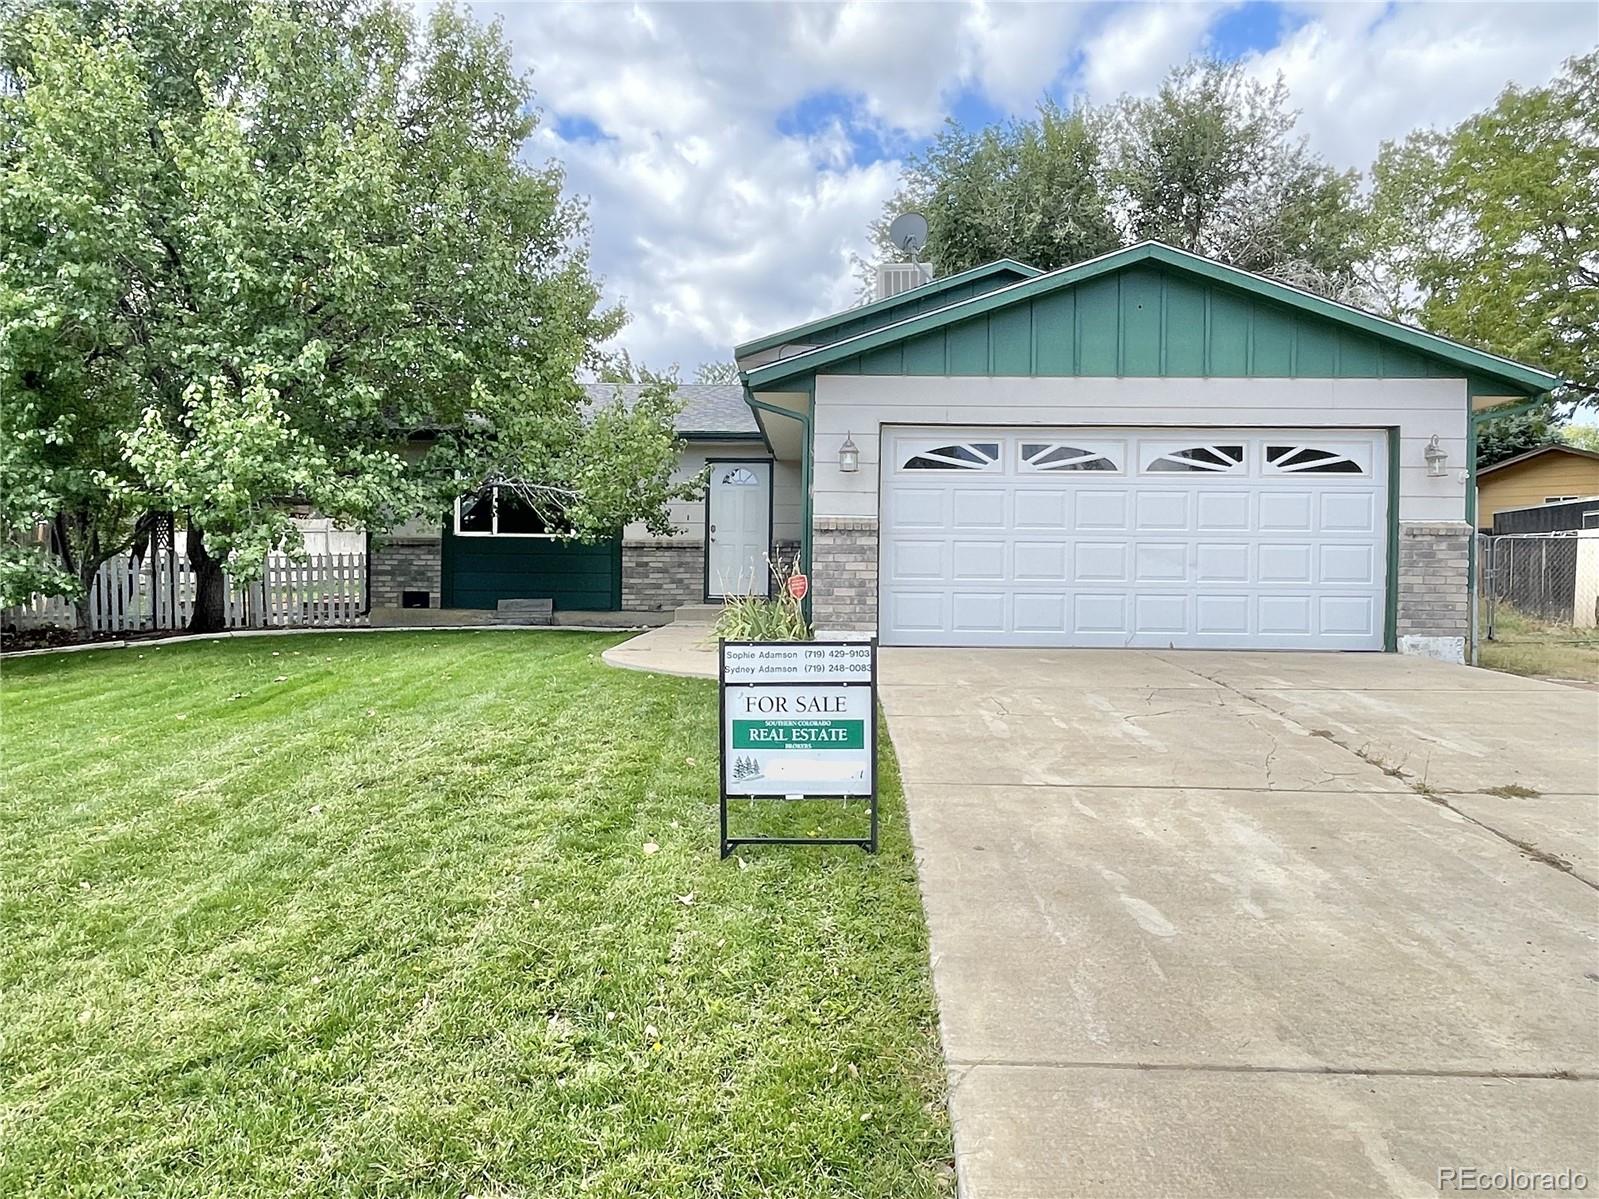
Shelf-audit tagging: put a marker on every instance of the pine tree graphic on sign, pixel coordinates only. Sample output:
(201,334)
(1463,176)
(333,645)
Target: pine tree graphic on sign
(745,768)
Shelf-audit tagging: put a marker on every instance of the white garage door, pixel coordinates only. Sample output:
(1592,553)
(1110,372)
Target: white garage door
(1213,538)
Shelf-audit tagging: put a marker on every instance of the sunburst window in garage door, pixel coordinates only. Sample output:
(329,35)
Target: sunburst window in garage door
(967,455)
(1054,455)
(1217,459)
(1308,460)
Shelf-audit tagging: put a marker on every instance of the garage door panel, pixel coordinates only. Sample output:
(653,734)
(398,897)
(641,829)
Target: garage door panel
(1041,510)
(1222,511)
(1039,561)
(916,560)
(977,560)
(920,508)
(1350,564)
(1100,510)
(1285,511)
(916,611)
(1101,562)
(1221,562)
(978,509)
(1348,615)
(1222,539)
(1039,612)
(1283,563)
(1101,612)
(1160,613)
(978,611)
(1221,615)
(1160,562)
(1162,510)
(1348,512)
(1279,614)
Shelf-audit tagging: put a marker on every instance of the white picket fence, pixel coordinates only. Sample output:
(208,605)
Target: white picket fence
(158,593)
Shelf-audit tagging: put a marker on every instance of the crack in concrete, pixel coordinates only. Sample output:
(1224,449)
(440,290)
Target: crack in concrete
(967,1065)
(1419,788)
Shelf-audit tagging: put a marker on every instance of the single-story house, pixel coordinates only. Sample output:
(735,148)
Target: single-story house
(1149,448)
(1550,474)
(482,555)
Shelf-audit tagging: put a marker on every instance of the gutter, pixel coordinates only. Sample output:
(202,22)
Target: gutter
(806,517)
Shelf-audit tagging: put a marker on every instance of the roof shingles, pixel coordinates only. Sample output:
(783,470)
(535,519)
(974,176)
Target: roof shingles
(717,408)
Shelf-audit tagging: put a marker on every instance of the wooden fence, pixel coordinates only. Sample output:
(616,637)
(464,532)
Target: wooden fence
(158,593)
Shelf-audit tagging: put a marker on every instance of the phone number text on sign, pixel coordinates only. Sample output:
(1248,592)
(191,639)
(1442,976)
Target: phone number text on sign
(782,663)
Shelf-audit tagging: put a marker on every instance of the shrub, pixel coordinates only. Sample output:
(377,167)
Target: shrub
(757,618)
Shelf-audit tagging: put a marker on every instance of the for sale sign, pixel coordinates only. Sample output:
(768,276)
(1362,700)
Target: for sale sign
(799,722)
(806,740)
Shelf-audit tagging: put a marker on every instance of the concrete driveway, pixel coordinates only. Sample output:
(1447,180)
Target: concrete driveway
(1254,924)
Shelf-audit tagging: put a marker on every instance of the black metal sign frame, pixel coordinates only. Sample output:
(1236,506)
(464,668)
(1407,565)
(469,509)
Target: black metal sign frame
(729,843)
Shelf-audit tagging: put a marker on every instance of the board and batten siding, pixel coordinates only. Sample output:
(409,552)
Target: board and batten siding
(859,405)
(1143,321)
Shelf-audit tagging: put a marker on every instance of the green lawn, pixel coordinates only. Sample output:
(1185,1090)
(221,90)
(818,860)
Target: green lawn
(1526,645)
(372,914)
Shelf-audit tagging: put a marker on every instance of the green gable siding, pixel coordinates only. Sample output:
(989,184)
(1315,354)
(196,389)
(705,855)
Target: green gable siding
(1148,310)
(1146,322)
(914,306)
(940,293)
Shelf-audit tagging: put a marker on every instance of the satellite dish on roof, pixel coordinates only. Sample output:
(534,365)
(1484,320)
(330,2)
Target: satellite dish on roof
(908,232)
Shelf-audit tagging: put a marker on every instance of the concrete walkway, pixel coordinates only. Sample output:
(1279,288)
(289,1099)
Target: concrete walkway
(1254,924)
(680,648)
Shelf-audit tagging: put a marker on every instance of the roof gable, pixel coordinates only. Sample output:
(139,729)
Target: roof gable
(1528,457)
(939,293)
(1152,310)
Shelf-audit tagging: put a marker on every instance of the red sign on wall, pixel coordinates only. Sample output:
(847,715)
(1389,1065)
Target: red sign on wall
(798,585)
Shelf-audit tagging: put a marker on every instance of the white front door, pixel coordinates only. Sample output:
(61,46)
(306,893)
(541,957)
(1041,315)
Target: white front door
(1214,538)
(738,529)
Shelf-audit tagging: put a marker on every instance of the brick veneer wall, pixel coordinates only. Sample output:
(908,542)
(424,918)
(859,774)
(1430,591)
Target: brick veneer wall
(406,564)
(1434,585)
(844,574)
(658,576)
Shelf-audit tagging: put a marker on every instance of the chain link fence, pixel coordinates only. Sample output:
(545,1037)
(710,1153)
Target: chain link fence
(1541,587)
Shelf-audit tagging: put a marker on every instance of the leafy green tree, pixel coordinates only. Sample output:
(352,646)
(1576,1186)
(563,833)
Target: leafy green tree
(1487,232)
(1581,437)
(619,367)
(1209,164)
(1030,190)
(716,372)
(248,253)
(1506,436)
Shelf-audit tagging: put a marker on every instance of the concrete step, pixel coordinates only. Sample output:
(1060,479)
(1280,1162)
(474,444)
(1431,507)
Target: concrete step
(697,614)
(524,611)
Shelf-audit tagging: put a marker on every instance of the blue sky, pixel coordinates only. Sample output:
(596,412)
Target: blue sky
(732,155)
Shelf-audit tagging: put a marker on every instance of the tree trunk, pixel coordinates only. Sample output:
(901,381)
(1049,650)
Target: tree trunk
(209,586)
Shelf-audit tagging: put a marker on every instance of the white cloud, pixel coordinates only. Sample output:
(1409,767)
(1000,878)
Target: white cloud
(1362,73)
(713,226)
(1140,43)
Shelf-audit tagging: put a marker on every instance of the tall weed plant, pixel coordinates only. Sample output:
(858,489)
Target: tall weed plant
(757,618)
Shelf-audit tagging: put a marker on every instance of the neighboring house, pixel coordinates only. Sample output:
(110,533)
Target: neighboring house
(1553,516)
(1148,449)
(1551,474)
(484,554)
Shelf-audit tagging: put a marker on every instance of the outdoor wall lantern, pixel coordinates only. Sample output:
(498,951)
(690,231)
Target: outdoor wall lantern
(1436,457)
(849,456)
